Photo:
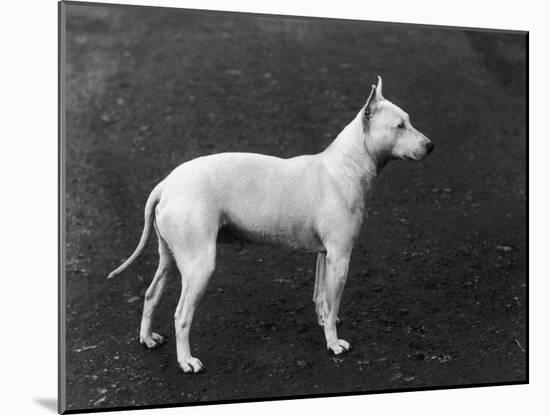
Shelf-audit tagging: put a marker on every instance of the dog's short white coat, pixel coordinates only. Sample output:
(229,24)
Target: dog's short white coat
(312,202)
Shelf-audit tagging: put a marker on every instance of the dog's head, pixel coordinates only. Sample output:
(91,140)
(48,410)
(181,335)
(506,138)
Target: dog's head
(389,133)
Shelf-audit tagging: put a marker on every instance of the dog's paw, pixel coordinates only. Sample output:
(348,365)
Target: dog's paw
(153,341)
(191,365)
(339,346)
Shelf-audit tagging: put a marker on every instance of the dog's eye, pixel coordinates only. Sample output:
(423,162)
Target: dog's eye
(401,126)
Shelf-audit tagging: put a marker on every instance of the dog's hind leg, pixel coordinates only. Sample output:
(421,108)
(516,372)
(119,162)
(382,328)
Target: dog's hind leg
(195,270)
(153,295)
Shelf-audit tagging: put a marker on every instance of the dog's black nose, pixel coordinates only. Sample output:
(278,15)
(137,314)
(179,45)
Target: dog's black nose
(430,147)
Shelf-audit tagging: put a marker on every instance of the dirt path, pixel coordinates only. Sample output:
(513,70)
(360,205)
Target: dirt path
(436,293)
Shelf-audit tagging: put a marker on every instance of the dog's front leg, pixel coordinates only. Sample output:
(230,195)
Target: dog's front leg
(337,264)
(319,292)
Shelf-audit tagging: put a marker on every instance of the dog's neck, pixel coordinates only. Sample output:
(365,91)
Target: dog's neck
(351,154)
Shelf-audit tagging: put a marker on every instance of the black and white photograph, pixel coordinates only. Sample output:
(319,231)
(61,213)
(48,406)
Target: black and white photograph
(264,207)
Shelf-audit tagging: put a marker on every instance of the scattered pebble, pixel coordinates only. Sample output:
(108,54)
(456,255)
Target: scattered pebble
(442,358)
(100,401)
(106,118)
(235,72)
(337,360)
(503,248)
(132,300)
(396,376)
(85,348)
(520,346)
(81,40)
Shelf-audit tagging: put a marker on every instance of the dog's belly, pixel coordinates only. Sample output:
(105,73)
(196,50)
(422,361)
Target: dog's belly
(297,238)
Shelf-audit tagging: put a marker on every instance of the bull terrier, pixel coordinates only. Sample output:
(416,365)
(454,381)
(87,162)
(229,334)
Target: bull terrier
(314,203)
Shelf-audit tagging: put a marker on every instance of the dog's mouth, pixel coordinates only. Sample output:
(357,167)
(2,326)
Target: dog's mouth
(416,157)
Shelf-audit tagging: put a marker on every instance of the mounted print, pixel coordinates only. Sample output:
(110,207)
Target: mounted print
(259,207)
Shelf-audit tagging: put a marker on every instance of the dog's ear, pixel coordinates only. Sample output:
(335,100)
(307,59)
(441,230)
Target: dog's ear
(371,103)
(379,89)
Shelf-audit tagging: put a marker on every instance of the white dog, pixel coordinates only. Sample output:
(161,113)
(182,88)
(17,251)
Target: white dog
(314,203)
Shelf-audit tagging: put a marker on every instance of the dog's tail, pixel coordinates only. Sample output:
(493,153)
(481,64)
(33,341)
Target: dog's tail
(152,201)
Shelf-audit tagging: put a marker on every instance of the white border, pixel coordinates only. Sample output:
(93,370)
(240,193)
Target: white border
(29,202)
